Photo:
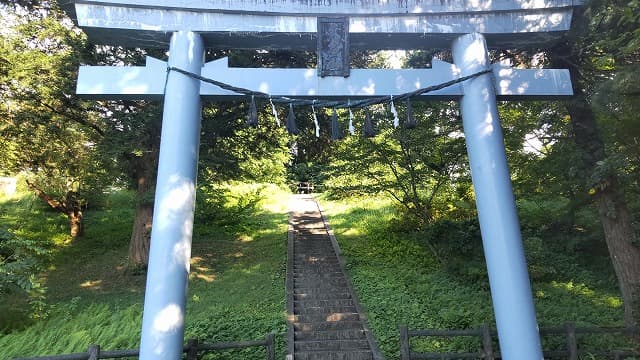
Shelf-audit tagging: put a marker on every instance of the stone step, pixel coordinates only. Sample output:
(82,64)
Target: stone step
(316,261)
(320,247)
(331,345)
(311,244)
(347,334)
(304,251)
(316,271)
(313,265)
(313,303)
(328,326)
(313,252)
(315,256)
(328,285)
(324,310)
(308,256)
(328,273)
(329,265)
(320,290)
(322,296)
(334,355)
(317,277)
(327,288)
(312,275)
(305,264)
(334,317)
(322,280)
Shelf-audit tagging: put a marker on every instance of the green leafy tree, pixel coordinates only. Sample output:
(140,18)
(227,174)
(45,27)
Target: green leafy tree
(130,147)
(46,131)
(414,165)
(21,260)
(601,53)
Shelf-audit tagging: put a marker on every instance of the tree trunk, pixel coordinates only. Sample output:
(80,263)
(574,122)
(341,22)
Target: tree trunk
(144,168)
(613,211)
(70,206)
(625,255)
(141,236)
(612,208)
(76,223)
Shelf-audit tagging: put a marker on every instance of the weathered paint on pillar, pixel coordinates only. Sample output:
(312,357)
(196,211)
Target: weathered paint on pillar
(164,305)
(502,241)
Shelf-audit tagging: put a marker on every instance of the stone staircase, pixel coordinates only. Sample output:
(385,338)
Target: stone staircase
(325,321)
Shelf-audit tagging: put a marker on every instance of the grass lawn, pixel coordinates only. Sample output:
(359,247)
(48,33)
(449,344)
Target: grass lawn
(236,286)
(399,282)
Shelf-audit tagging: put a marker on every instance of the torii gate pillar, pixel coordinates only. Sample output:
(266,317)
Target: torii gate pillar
(499,225)
(168,272)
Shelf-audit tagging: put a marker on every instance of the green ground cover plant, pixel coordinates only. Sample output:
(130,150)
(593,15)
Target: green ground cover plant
(236,287)
(400,282)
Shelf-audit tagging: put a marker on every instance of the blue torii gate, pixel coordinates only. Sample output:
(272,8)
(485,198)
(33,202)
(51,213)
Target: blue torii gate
(188,27)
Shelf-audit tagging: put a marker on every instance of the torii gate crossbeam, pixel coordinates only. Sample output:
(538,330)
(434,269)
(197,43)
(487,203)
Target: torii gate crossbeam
(188,29)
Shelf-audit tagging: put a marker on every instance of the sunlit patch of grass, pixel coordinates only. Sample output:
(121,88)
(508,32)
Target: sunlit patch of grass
(199,269)
(612,301)
(399,281)
(236,287)
(245,238)
(584,292)
(92,284)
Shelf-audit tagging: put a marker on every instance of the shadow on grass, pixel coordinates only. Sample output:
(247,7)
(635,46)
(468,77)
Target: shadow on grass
(236,287)
(398,281)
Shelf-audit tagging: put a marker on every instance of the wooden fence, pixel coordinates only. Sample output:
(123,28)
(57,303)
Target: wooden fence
(487,336)
(305,188)
(191,350)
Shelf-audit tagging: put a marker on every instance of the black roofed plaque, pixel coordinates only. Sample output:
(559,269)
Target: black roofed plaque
(333,46)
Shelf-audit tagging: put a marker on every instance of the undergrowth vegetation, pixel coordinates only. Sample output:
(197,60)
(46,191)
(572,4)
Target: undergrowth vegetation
(81,292)
(436,279)
(236,287)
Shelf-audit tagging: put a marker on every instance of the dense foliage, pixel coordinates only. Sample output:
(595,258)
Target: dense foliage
(78,157)
(236,285)
(400,282)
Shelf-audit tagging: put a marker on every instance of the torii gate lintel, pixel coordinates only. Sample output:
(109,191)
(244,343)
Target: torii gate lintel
(147,82)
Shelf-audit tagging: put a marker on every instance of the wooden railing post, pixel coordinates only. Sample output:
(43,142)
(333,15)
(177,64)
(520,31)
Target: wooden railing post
(487,343)
(572,343)
(270,346)
(94,352)
(404,343)
(192,349)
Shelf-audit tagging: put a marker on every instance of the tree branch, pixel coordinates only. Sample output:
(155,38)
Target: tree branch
(55,204)
(72,117)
